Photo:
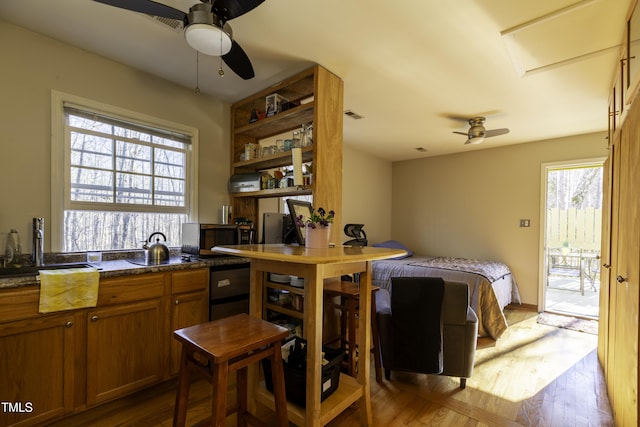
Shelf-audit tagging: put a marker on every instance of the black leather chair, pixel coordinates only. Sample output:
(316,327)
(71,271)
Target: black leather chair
(425,330)
(358,234)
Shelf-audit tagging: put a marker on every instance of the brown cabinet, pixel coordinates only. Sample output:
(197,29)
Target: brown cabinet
(189,306)
(56,364)
(124,349)
(619,332)
(320,94)
(36,369)
(125,339)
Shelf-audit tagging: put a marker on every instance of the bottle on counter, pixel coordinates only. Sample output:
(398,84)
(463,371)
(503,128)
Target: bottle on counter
(13,250)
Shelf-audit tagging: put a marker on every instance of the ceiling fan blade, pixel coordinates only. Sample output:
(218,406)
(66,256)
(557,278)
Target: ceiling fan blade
(147,6)
(238,61)
(496,132)
(230,9)
(461,133)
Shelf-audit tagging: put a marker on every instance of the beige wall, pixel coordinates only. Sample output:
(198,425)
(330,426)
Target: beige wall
(366,193)
(469,204)
(33,65)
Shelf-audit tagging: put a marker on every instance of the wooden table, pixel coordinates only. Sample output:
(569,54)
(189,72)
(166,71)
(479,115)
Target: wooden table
(316,265)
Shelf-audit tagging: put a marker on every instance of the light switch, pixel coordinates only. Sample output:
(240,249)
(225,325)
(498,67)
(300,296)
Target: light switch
(525,223)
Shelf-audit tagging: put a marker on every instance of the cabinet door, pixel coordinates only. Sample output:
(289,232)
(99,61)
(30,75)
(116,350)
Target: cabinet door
(36,369)
(605,254)
(625,297)
(187,310)
(124,349)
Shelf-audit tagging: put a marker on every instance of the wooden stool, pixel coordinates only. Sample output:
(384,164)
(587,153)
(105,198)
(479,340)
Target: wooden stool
(230,344)
(349,293)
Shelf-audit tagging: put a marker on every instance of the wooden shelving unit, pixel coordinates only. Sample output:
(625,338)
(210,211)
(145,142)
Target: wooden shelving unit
(320,94)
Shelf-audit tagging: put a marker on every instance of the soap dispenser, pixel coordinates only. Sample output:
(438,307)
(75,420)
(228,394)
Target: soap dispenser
(13,250)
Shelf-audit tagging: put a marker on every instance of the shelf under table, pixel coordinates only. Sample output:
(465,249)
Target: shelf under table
(348,392)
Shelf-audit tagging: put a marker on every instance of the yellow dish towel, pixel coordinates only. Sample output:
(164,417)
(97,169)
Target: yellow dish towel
(67,289)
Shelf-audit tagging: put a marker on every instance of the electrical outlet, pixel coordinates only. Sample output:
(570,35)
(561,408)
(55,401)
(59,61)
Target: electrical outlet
(525,223)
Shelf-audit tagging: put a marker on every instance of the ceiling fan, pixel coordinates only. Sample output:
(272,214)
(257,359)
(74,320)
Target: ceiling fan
(205,27)
(477,133)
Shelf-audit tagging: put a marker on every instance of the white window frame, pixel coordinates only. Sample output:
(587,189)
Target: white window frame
(60,158)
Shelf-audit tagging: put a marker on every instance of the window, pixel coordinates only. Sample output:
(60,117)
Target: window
(124,177)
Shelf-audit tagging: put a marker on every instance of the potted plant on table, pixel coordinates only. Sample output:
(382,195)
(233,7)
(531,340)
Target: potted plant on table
(317,228)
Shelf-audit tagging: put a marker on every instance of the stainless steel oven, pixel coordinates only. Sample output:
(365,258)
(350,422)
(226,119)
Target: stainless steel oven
(229,291)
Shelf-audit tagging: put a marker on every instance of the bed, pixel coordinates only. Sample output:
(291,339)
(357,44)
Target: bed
(491,284)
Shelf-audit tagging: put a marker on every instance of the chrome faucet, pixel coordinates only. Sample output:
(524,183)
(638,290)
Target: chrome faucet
(38,242)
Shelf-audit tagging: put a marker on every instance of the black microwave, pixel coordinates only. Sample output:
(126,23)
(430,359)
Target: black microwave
(198,239)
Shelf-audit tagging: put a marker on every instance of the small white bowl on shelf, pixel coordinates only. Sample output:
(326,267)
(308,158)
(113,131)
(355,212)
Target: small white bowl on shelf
(297,282)
(279,278)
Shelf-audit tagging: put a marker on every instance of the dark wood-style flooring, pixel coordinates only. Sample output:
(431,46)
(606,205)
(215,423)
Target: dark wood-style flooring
(535,375)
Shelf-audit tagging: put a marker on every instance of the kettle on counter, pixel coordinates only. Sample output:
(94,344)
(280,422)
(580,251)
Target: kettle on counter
(156,253)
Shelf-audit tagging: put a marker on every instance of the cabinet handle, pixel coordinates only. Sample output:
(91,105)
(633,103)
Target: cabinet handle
(94,318)
(68,324)
(621,279)
(177,302)
(606,265)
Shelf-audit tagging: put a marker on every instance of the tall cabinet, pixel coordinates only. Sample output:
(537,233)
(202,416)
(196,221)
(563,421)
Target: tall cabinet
(618,338)
(315,96)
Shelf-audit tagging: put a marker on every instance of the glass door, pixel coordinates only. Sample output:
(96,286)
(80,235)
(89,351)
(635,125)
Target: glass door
(570,255)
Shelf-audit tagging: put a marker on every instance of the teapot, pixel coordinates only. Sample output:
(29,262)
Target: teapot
(158,252)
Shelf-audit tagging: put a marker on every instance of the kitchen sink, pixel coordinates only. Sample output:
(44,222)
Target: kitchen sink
(33,271)
(145,263)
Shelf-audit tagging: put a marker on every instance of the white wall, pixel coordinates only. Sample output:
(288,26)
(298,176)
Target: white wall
(33,65)
(366,193)
(469,204)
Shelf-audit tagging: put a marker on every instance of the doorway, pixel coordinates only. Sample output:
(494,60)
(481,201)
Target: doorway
(571,233)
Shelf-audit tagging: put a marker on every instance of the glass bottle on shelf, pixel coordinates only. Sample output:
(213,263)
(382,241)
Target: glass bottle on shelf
(306,135)
(295,140)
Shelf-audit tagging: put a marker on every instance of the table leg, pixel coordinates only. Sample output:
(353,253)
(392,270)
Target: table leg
(182,397)
(581,275)
(219,401)
(364,340)
(256,278)
(351,333)
(313,330)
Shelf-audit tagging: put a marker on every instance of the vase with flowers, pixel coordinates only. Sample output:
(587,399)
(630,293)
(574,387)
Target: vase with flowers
(317,228)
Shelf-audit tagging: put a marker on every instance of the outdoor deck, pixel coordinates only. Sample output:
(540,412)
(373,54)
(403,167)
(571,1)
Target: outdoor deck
(564,296)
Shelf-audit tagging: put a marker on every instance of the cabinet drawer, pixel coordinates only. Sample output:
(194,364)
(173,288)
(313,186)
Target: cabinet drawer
(189,280)
(130,288)
(17,304)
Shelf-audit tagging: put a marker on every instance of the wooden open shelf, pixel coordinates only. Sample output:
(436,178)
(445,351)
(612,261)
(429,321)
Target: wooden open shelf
(276,192)
(320,96)
(348,392)
(274,161)
(278,123)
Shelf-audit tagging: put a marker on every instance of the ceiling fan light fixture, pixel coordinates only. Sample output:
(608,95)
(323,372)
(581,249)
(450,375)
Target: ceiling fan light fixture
(208,39)
(475,140)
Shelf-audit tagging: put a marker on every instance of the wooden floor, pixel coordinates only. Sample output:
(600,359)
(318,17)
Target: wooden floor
(534,375)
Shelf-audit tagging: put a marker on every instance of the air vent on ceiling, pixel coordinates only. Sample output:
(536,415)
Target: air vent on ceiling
(173,23)
(354,116)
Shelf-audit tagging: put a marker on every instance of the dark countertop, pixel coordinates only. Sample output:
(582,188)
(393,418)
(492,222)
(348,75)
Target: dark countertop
(123,267)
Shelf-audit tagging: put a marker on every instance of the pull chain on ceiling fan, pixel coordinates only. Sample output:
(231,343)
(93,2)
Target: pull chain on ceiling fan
(205,27)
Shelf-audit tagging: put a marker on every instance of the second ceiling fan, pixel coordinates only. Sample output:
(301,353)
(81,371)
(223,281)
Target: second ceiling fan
(205,27)
(477,132)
